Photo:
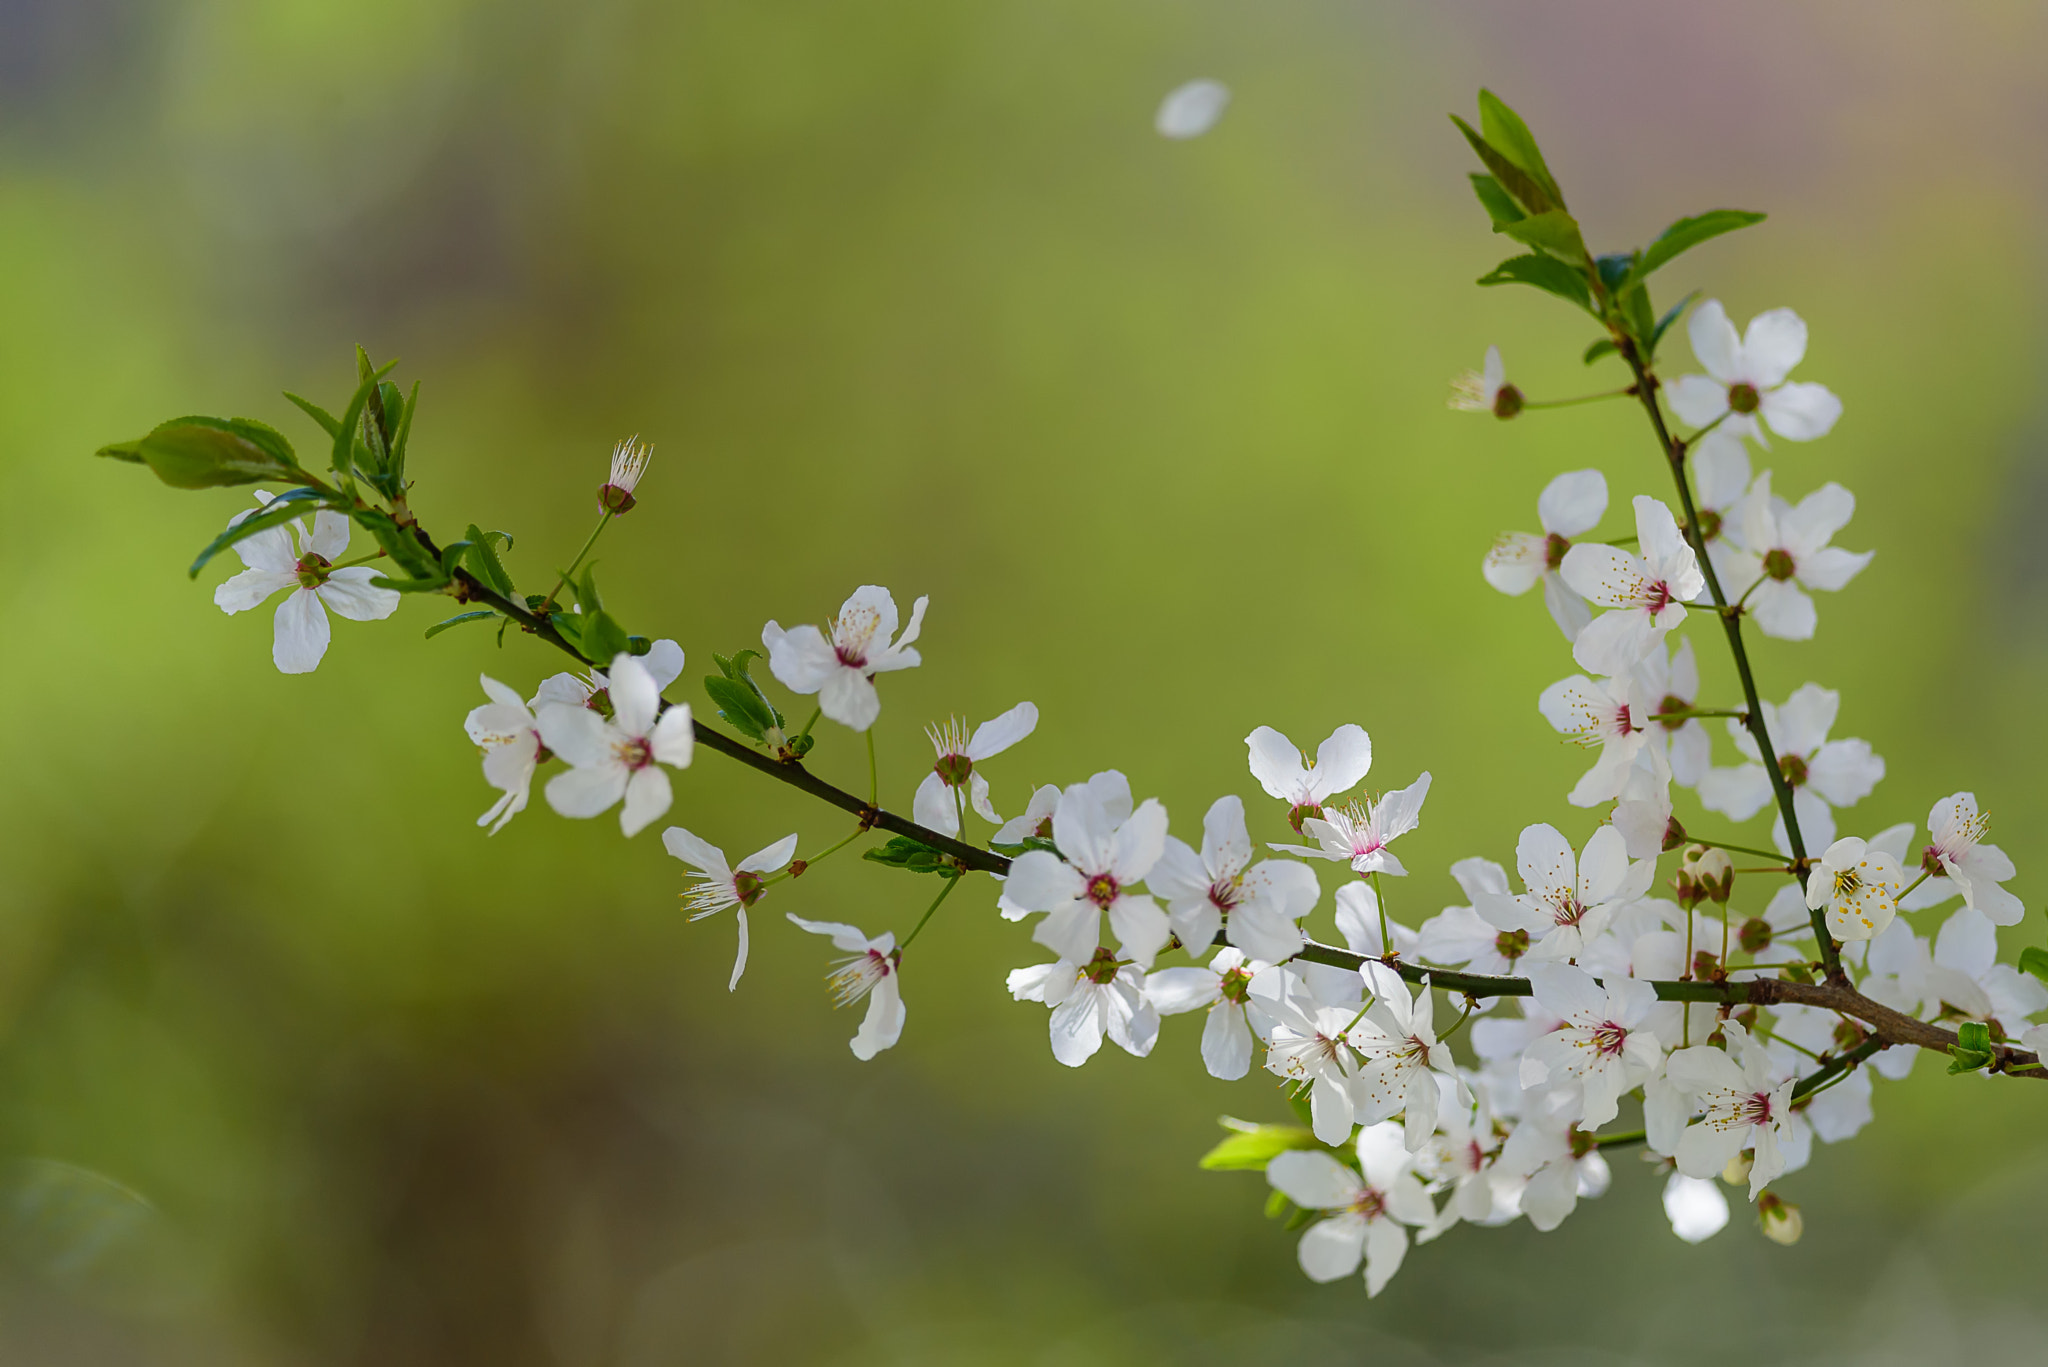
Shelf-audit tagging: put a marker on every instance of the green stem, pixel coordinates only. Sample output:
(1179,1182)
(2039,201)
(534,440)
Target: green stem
(816,713)
(1622,1140)
(603,520)
(1692,839)
(359,560)
(944,893)
(858,832)
(1583,398)
(1674,456)
(1379,900)
(874,787)
(1925,874)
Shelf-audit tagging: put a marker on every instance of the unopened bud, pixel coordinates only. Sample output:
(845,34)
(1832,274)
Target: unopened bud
(1674,834)
(1782,1223)
(1507,402)
(1297,815)
(1716,874)
(1736,1174)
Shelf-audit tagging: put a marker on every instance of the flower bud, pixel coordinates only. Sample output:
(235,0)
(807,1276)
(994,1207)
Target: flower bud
(1507,402)
(1736,1174)
(629,464)
(1715,872)
(1782,1223)
(1674,834)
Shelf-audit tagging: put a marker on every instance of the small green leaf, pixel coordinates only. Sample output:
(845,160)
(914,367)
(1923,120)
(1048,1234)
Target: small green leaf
(328,422)
(1974,1036)
(1024,846)
(740,708)
(457,620)
(603,639)
(1688,233)
(485,564)
(401,543)
(211,453)
(1963,1060)
(1555,232)
(1545,273)
(1524,188)
(1604,347)
(902,852)
(276,513)
(346,430)
(2034,960)
(1671,315)
(1504,130)
(1251,1150)
(1277,1205)
(1635,312)
(405,432)
(1500,206)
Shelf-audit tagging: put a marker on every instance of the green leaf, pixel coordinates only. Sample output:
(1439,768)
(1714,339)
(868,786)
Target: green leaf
(1555,232)
(1635,312)
(603,639)
(328,422)
(1614,268)
(211,453)
(2034,960)
(740,707)
(1524,188)
(902,852)
(457,620)
(735,669)
(1500,206)
(276,513)
(1024,846)
(1251,1150)
(1545,273)
(1974,1036)
(346,430)
(1604,347)
(1504,130)
(1671,315)
(1688,233)
(485,564)
(587,596)
(1277,1204)
(404,432)
(426,583)
(1963,1060)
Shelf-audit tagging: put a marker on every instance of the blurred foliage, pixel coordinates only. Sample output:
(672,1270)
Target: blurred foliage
(911,294)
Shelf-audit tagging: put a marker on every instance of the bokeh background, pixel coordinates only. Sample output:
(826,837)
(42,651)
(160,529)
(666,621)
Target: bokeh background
(297,1067)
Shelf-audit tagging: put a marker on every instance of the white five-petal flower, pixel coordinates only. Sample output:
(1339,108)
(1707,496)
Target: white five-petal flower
(1646,593)
(1487,390)
(510,737)
(1571,505)
(1745,377)
(1223,989)
(1859,887)
(841,671)
(1360,835)
(1823,774)
(721,885)
(306,570)
(1745,1105)
(1788,553)
(869,970)
(1957,860)
(1601,1046)
(1258,908)
(1106,849)
(1614,716)
(937,803)
(1400,1057)
(619,757)
(1090,1001)
(1341,762)
(1570,897)
(1370,1208)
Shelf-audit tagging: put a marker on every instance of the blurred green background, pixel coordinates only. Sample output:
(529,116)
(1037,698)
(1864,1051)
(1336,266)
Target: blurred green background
(910,293)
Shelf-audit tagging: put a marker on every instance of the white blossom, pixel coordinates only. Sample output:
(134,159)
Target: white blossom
(1486,390)
(1341,763)
(510,737)
(1744,1105)
(663,663)
(1788,553)
(1570,506)
(1223,991)
(1257,908)
(1646,594)
(1745,377)
(303,564)
(1311,1044)
(1371,1208)
(936,803)
(1857,886)
(1089,1001)
(1672,685)
(1360,835)
(870,971)
(1613,716)
(720,885)
(1106,850)
(620,756)
(1601,1046)
(1569,898)
(1555,1163)
(1823,774)
(1400,1056)
(841,671)
(1695,1206)
(1359,921)
(1459,937)
(1957,861)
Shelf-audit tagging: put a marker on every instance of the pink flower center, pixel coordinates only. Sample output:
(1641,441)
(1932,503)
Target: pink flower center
(1371,1203)
(1102,890)
(1608,1039)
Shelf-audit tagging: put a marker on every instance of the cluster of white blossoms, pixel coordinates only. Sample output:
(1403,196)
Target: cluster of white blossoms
(1476,1066)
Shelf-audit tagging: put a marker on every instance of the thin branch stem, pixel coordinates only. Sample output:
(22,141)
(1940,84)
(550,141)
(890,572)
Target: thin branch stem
(1692,839)
(944,893)
(1674,456)
(1582,398)
(603,520)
